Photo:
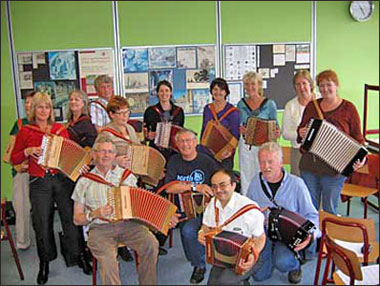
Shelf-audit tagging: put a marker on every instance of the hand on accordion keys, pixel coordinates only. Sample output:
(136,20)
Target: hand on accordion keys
(303,244)
(246,265)
(84,169)
(174,220)
(150,135)
(359,164)
(33,152)
(205,189)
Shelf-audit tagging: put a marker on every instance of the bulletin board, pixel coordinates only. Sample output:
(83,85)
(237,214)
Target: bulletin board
(59,72)
(189,68)
(276,62)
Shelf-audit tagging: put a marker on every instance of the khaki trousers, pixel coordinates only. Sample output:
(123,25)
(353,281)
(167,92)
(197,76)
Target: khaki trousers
(103,242)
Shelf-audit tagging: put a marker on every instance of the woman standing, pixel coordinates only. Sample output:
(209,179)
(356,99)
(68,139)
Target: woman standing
(294,108)
(323,182)
(225,113)
(255,104)
(46,185)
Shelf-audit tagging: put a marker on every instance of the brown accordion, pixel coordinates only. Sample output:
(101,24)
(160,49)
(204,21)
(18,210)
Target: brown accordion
(142,205)
(138,126)
(190,204)
(260,131)
(165,135)
(226,248)
(63,154)
(146,162)
(333,146)
(218,139)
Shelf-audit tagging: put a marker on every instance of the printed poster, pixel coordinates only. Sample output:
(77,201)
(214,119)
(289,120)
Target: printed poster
(303,53)
(136,82)
(135,59)
(206,57)
(239,60)
(62,65)
(162,58)
(186,58)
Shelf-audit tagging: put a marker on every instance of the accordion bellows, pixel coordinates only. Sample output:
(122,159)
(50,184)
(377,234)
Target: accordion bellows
(226,248)
(333,146)
(142,205)
(260,131)
(165,135)
(63,154)
(218,139)
(190,204)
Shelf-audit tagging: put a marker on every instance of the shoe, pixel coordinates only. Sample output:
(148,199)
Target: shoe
(125,254)
(84,264)
(42,277)
(198,275)
(295,276)
(162,251)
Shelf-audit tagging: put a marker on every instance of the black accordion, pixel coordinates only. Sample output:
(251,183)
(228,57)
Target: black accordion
(333,146)
(288,227)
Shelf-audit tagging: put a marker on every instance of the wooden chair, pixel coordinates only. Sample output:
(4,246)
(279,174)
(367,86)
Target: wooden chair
(354,190)
(95,264)
(352,233)
(286,155)
(349,266)
(8,236)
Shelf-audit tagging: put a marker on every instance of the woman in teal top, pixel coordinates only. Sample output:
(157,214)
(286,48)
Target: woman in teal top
(254,104)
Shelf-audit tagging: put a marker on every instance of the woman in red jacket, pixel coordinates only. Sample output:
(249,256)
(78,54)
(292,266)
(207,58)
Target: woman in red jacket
(47,186)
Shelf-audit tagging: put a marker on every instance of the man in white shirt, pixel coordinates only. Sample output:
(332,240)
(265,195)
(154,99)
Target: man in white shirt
(250,224)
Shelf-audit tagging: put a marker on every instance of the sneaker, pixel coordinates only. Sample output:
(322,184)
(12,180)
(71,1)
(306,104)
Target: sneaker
(125,254)
(295,276)
(198,275)
(162,251)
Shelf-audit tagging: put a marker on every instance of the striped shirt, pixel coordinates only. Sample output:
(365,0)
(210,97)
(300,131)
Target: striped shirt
(94,195)
(99,115)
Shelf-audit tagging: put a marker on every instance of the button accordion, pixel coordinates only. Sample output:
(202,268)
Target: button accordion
(218,139)
(165,135)
(141,205)
(288,227)
(63,154)
(190,205)
(333,146)
(260,131)
(146,162)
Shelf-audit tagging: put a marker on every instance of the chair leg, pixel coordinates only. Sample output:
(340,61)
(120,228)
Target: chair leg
(11,242)
(365,207)
(94,268)
(171,238)
(326,272)
(348,207)
(319,262)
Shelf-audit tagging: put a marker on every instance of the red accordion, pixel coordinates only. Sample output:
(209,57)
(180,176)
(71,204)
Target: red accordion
(190,204)
(165,135)
(260,131)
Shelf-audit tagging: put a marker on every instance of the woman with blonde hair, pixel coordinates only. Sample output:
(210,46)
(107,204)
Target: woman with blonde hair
(254,104)
(47,186)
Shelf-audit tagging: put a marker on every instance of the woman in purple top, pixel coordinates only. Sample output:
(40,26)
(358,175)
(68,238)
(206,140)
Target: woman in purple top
(226,113)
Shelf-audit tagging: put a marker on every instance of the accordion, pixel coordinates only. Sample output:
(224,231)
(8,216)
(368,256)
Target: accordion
(226,248)
(142,205)
(218,139)
(63,154)
(165,135)
(138,126)
(146,162)
(288,227)
(260,131)
(189,204)
(333,146)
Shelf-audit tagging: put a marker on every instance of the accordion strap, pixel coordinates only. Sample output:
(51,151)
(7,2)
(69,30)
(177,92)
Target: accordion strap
(73,122)
(19,123)
(239,213)
(160,190)
(318,109)
(215,116)
(98,179)
(117,134)
(100,103)
(265,189)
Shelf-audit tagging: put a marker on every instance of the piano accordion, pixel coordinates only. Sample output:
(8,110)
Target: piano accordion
(146,162)
(334,147)
(63,154)
(260,131)
(165,135)
(226,248)
(288,227)
(142,205)
(190,205)
(218,139)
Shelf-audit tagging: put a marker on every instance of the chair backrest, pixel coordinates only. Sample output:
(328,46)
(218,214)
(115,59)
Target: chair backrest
(349,229)
(285,155)
(346,260)
(373,165)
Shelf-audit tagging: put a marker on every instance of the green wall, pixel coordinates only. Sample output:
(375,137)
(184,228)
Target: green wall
(350,48)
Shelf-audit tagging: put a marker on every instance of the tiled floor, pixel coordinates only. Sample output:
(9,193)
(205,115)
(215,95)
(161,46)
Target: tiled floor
(172,268)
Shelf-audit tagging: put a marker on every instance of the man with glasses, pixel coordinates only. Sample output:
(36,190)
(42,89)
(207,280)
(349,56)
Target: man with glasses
(90,208)
(194,170)
(225,203)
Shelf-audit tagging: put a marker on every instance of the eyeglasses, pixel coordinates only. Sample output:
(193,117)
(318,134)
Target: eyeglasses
(103,152)
(223,186)
(183,141)
(127,112)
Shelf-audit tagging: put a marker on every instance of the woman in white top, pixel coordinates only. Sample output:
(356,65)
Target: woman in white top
(304,87)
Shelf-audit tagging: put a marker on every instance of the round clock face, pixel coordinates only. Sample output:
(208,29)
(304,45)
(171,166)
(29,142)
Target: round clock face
(361,10)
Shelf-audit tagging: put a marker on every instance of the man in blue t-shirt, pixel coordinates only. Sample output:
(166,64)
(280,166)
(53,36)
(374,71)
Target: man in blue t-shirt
(194,170)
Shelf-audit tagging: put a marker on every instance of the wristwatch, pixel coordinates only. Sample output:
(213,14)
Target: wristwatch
(88,217)
(193,188)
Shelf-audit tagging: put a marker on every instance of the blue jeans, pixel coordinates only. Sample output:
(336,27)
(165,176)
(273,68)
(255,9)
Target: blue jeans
(275,255)
(324,187)
(194,251)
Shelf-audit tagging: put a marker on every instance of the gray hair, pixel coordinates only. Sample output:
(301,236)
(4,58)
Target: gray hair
(102,140)
(272,147)
(84,98)
(102,79)
(183,131)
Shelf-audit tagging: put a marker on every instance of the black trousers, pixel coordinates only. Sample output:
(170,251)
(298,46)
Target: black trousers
(44,192)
